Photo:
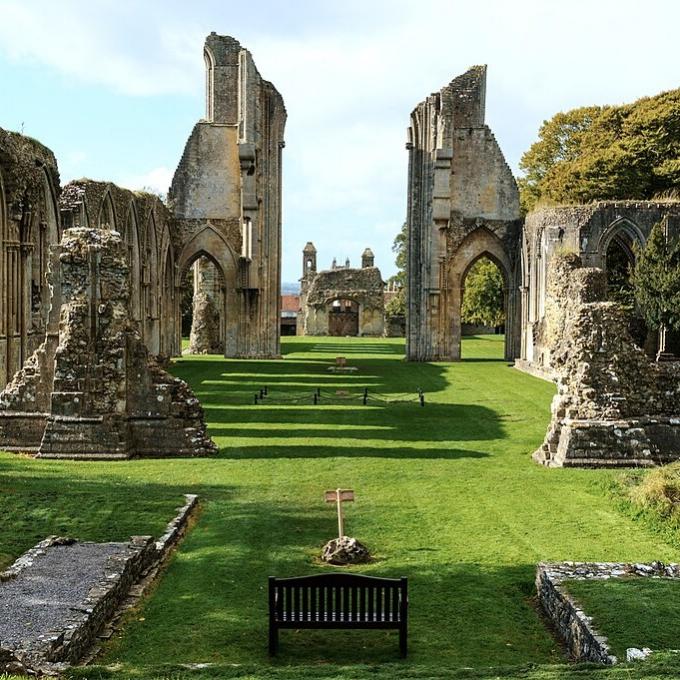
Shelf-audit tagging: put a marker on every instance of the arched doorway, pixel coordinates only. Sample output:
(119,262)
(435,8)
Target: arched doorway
(343,317)
(617,255)
(210,247)
(483,310)
(481,244)
(619,263)
(204,307)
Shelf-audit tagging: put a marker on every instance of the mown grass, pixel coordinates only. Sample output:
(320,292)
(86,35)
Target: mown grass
(632,612)
(446,495)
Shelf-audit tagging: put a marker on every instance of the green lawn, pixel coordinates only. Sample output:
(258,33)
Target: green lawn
(632,612)
(446,495)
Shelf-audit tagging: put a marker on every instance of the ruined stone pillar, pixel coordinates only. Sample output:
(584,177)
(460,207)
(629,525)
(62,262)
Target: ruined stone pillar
(92,390)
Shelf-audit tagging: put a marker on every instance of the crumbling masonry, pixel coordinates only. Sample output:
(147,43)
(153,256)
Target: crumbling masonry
(463,204)
(342,300)
(614,406)
(91,390)
(88,387)
(224,210)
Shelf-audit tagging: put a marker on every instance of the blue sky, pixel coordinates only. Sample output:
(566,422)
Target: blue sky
(114,88)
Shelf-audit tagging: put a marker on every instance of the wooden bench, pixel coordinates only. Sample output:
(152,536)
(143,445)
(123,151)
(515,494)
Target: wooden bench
(337,601)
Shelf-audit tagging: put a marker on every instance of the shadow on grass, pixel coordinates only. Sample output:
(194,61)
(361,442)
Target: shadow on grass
(212,603)
(39,499)
(287,423)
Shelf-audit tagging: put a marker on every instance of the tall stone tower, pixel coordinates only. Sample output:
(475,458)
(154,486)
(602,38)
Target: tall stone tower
(226,195)
(463,204)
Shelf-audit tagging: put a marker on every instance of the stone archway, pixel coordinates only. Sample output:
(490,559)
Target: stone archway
(208,243)
(616,250)
(476,245)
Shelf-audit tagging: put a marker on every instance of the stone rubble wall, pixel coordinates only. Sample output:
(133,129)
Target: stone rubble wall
(103,395)
(586,230)
(77,634)
(572,625)
(614,407)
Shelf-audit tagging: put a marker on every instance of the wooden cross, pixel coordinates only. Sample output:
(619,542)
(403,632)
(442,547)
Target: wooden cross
(338,496)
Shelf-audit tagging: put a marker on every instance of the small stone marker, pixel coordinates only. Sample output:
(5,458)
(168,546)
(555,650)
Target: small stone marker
(340,362)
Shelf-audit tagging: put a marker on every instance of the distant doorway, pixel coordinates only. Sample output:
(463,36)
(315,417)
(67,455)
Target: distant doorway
(343,318)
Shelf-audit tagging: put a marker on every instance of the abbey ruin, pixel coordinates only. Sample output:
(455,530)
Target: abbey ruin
(463,204)
(93,275)
(220,237)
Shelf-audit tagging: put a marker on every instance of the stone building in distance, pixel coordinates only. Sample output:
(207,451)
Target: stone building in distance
(463,204)
(342,300)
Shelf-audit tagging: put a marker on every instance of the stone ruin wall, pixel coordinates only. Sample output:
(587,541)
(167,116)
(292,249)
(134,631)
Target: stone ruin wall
(586,230)
(226,196)
(463,204)
(91,390)
(225,204)
(613,406)
(29,224)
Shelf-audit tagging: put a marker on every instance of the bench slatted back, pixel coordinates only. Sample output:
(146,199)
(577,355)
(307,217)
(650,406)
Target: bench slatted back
(329,598)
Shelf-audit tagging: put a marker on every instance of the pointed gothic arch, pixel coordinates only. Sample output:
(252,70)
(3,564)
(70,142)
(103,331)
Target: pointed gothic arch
(478,244)
(107,213)
(208,242)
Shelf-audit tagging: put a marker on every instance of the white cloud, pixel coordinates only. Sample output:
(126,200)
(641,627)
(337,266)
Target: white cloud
(350,74)
(157,181)
(107,43)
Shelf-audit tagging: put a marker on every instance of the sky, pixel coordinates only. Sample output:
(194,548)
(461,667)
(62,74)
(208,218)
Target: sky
(115,87)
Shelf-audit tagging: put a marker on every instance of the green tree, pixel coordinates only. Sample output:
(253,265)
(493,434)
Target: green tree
(656,280)
(483,300)
(610,152)
(397,305)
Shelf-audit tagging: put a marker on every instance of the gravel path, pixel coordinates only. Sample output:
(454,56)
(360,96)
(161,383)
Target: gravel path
(42,596)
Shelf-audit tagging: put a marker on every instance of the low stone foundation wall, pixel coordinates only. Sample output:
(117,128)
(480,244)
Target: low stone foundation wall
(571,623)
(641,442)
(57,597)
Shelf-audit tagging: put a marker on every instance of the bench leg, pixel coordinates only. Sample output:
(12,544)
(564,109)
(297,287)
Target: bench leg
(403,642)
(273,639)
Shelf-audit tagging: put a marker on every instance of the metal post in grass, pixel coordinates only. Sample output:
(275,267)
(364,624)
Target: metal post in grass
(421,396)
(256,397)
(365,395)
(316,399)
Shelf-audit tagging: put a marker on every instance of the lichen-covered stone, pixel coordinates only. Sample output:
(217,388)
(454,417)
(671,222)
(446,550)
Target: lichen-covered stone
(98,392)
(205,326)
(613,405)
(345,550)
